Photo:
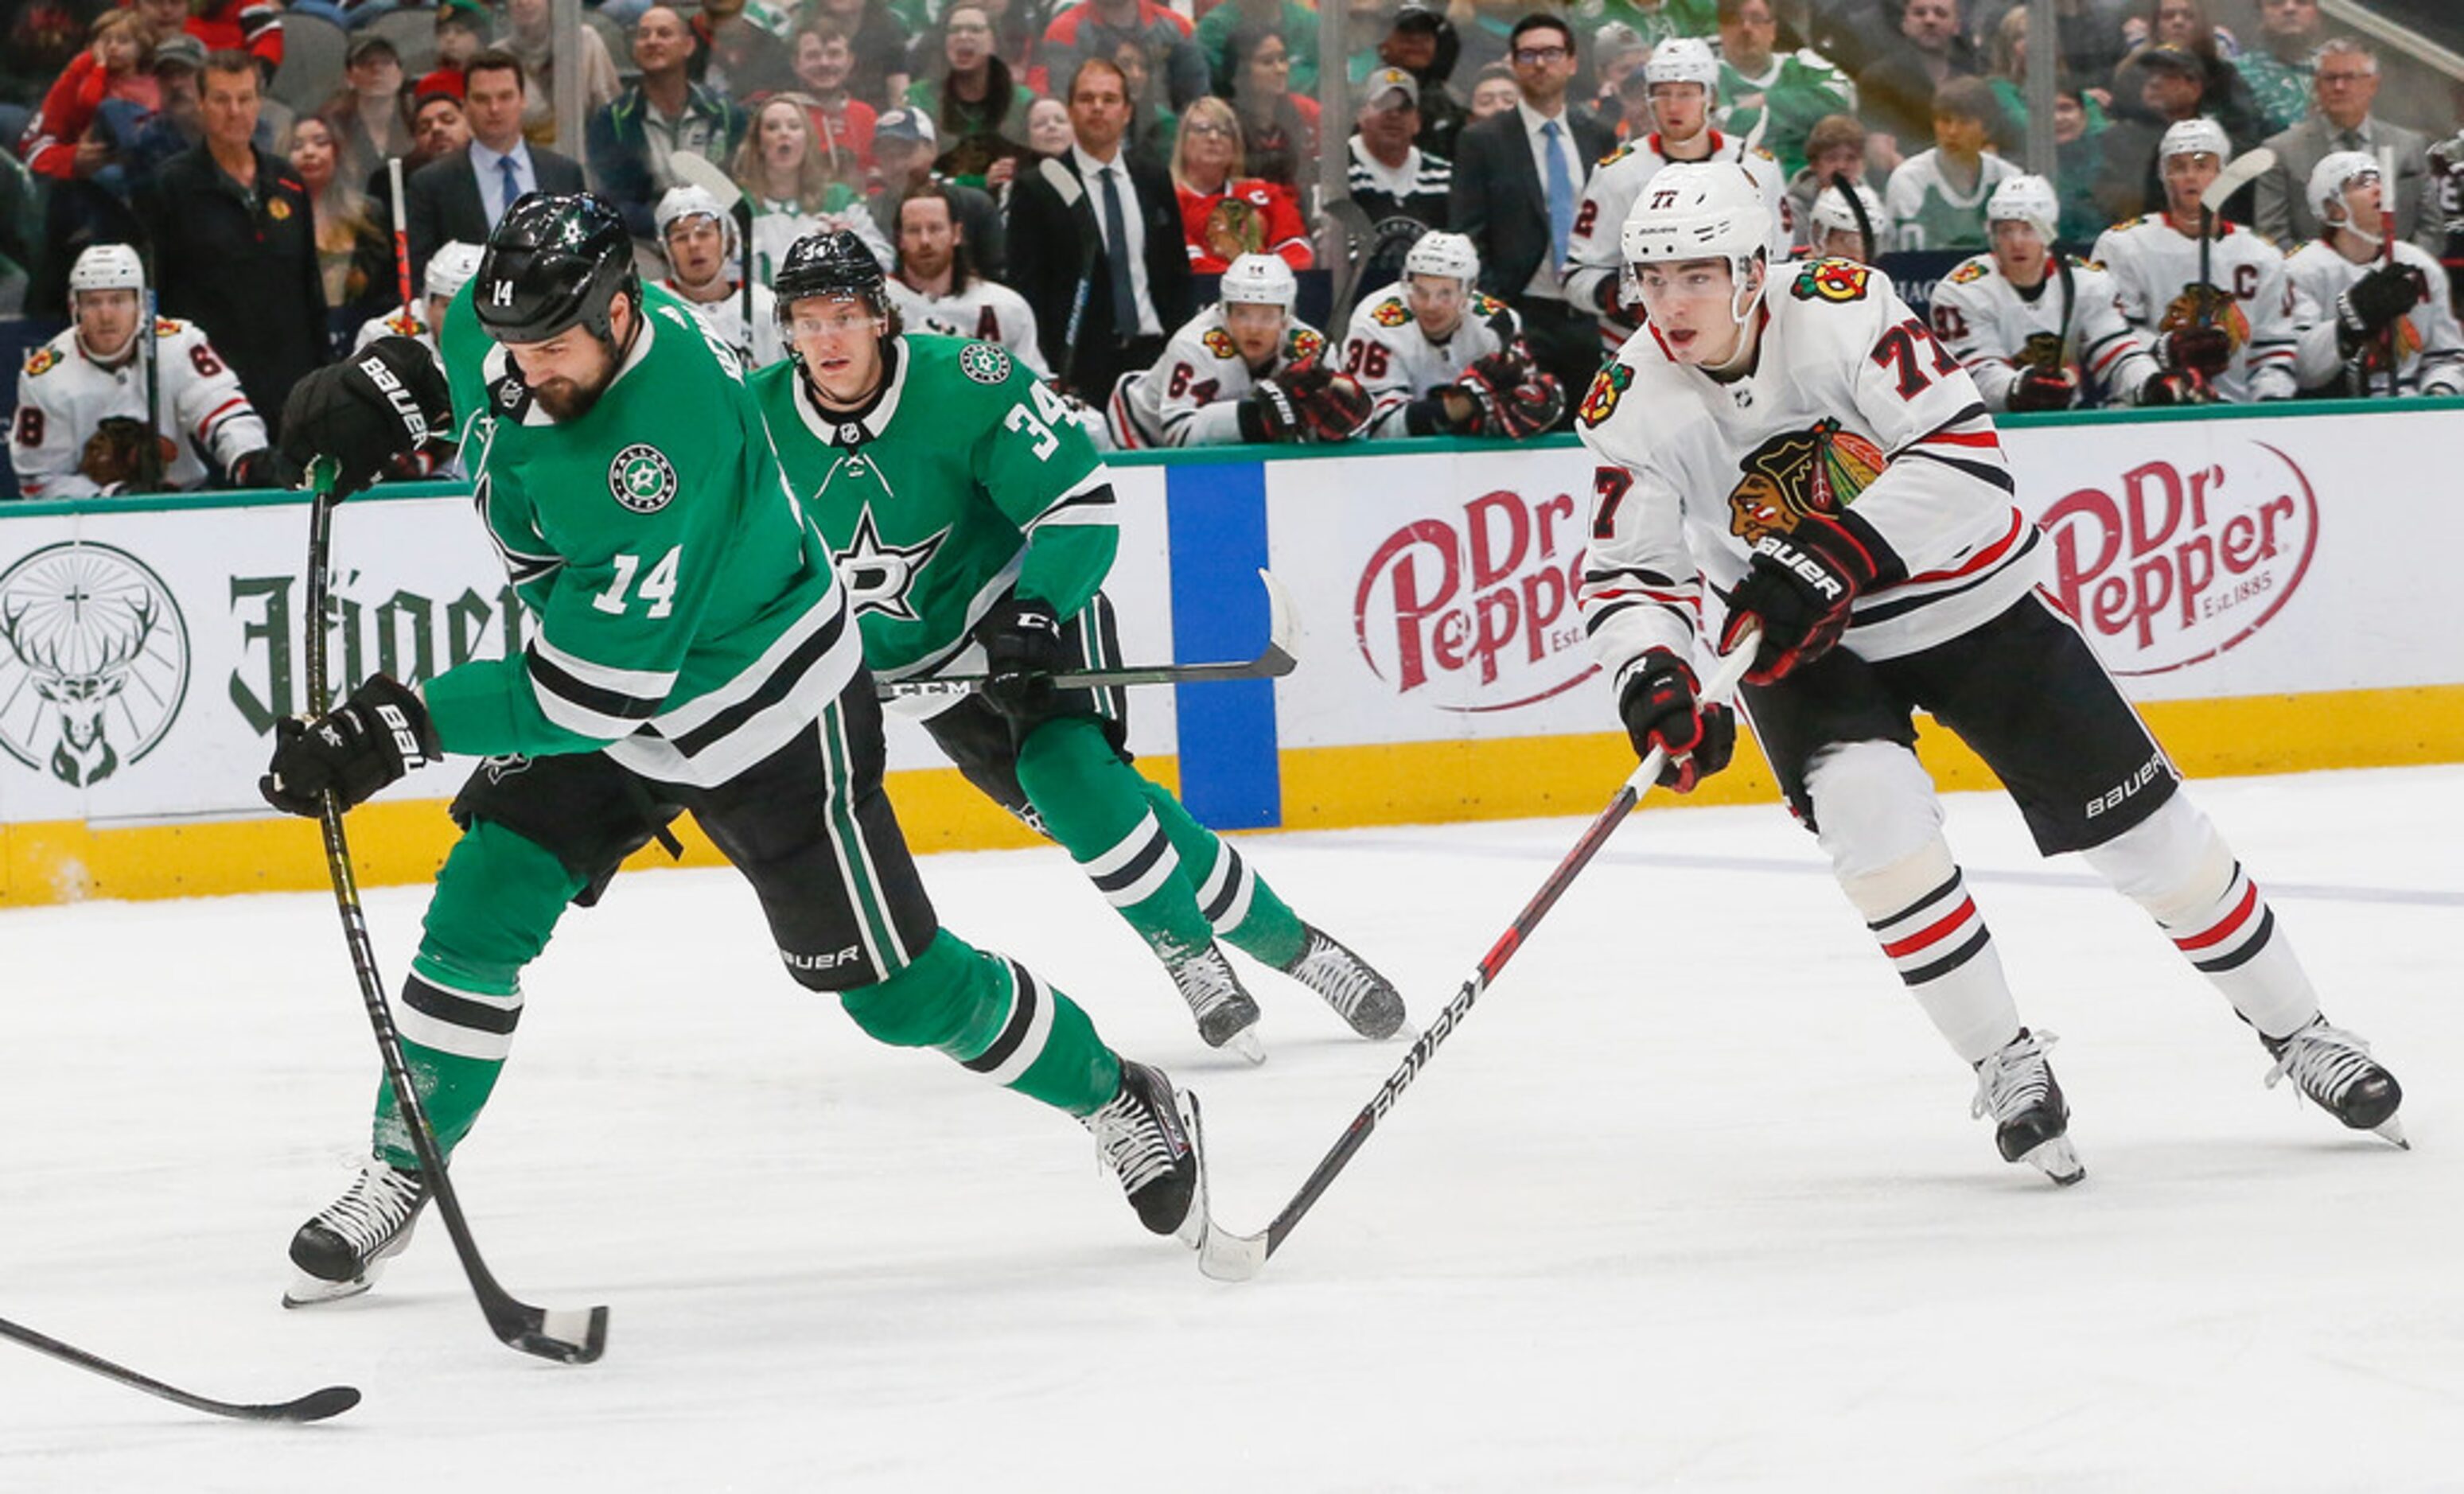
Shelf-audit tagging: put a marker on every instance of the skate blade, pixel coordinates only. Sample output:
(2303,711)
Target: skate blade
(1246,1043)
(1193,1225)
(2394,1131)
(311,1291)
(2056,1159)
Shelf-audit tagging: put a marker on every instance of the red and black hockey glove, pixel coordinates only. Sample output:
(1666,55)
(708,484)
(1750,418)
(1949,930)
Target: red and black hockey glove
(1512,399)
(1023,650)
(385,401)
(1661,709)
(374,738)
(2371,302)
(2171,388)
(2043,388)
(2207,351)
(1799,586)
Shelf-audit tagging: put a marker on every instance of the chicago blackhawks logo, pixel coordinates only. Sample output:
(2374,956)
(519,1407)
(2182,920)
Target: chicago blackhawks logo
(1801,472)
(1234,227)
(1968,273)
(41,361)
(878,575)
(1220,344)
(1835,280)
(641,478)
(96,661)
(2204,305)
(1305,344)
(985,363)
(1606,390)
(1391,312)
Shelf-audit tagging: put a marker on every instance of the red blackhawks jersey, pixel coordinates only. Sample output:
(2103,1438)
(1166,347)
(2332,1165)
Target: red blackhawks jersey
(63,396)
(985,310)
(1853,411)
(1192,395)
(1594,251)
(1386,350)
(1996,329)
(2154,265)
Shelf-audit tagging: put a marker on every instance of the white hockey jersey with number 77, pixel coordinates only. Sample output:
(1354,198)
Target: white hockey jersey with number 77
(1854,412)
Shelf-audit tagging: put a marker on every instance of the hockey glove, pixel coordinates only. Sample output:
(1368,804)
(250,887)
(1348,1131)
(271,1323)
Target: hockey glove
(1023,651)
(1268,415)
(116,457)
(1799,586)
(387,398)
(2043,388)
(1661,709)
(1330,406)
(254,468)
(2371,302)
(378,734)
(2169,388)
(2200,350)
(1512,399)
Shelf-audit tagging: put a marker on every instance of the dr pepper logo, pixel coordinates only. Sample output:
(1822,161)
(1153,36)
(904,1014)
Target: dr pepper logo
(2178,565)
(1476,612)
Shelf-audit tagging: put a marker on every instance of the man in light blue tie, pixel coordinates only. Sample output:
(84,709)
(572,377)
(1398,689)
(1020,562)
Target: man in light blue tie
(460,196)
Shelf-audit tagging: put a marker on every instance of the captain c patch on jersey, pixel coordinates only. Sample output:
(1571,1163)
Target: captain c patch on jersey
(1801,472)
(641,478)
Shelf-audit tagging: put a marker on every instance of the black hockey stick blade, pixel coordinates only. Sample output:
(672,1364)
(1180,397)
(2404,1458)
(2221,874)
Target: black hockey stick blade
(1273,662)
(1230,1257)
(315,1406)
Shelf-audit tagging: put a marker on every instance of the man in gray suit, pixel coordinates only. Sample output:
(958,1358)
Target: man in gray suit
(459,196)
(2342,90)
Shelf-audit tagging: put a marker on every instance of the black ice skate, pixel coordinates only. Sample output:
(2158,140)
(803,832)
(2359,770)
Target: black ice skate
(1227,1015)
(1358,994)
(2032,1121)
(2335,1069)
(1144,1137)
(341,1251)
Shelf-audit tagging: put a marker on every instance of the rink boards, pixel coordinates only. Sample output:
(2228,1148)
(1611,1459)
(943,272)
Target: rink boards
(2275,588)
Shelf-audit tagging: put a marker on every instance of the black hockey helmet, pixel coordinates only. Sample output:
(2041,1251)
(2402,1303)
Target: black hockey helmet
(555,261)
(831,262)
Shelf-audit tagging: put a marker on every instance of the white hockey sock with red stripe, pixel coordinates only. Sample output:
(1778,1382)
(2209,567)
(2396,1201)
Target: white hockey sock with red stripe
(1930,930)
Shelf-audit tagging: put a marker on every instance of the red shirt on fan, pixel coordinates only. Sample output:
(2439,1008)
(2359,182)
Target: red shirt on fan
(1247,216)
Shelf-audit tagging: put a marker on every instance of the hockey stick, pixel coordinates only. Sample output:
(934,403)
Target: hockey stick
(1848,189)
(1072,192)
(149,471)
(402,241)
(315,1406)
(2237,174)
(574,1337)
(1273,662)
(2387,245)
(1227,1257)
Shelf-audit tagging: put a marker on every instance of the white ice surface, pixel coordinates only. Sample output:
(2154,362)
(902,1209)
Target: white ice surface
(1692,1201)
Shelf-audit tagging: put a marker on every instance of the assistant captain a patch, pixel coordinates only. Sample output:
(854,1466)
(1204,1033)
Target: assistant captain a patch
(641,478)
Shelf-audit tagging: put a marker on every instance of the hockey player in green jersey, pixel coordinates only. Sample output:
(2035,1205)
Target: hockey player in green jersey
(693,650)
(972,521)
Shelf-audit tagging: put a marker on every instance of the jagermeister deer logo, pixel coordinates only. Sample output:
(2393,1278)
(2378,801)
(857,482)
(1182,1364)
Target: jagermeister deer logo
(1798,473)
(93,661)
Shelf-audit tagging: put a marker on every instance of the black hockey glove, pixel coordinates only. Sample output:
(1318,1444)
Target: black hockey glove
(378,734)
(1268,415)
(1661,709)
(2043,388)
(1512,398)
(1799,586)
(254,468)
(2374,300)
(2200,350)
(2169,388)
(387,398)
(1023,651)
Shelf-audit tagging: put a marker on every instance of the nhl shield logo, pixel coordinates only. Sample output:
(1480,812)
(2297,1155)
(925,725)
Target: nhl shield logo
(641,478)
(986,362)
(93,661)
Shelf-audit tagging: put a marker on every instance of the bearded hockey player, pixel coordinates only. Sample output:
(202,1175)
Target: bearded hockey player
(693,650)
(1243,370)
(973,522)
(2345,294)
(937,288)
(1684,78)
(1792,448)
(1439,358)
(2234,328)
(2037,331)
(449,270)
(1848,227)
(704,272)
(85,427)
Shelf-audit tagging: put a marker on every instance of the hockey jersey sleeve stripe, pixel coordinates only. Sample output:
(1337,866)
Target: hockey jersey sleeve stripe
(776,686)
(651,685)
(1976,413)
(580,707)
(237,405)
(1899,604)
(1991,555)
(1986,439)
(1979,470)
(1080,506)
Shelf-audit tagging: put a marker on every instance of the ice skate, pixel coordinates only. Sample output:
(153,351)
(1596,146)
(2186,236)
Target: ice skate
(1227,1015)
(1145,1139)
(1358,994)
(341,1251)
(2032,1121)
(2335,1069)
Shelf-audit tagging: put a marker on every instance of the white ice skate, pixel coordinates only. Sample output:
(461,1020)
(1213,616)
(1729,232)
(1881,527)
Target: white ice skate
(2032,1121)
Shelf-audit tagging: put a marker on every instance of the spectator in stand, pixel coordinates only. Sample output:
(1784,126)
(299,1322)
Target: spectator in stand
(463,30)
(1389,176)
(1494,92)
(2074,161)
(937,289)
(2008,75)
(1896,94)
(1797,90)
(251,26)
(530,35)
(234,243)
(663,112)
(1152,123)
(1656,21)
(462,194)
(1098,223)
(731,55)
(1422,42)
(1937,197)
(1047,127)
(907,146)
(973,101)
(879,77)
(1092,28)
(180,123)
(368,114)
(1280,126)
(354,252)
(1617,55)
(1516,186)
(785,172)
(1855,35)
(78,146)
(1225,216)
(2173,87)
(2346,86)
(439,127)
(824,61)
(2280,67)
(1834,147)
(1294,22)
(2224,96)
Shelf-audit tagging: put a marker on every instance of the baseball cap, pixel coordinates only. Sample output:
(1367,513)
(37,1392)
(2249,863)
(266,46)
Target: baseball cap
(180,51)
(1375,88)
(472,13)
(1413,15)
(2174,56)
(367,42)
(906,124)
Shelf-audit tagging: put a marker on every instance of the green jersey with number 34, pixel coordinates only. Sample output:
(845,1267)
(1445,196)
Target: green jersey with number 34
(962,479)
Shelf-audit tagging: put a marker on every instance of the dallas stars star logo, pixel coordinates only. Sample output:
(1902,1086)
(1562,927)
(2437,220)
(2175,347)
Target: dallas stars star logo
(878,575)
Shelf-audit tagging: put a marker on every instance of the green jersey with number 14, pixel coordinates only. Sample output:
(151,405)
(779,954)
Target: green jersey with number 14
(963,479)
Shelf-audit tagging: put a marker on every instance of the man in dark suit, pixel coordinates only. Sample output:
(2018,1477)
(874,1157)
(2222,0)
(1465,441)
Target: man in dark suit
(460,196)
(1518,180)
(2341,91)
(1100,224)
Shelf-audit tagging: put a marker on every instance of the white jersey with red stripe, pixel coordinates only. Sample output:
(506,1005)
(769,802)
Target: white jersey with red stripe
(1595,252)
(1989,324)
(1386,348)
(985,310)
(2154,264)
(1853,410)
(63,396)
(2432,343)
(1192,394)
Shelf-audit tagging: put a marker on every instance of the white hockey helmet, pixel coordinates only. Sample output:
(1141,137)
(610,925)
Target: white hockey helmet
(1260,280)
(2336,171)
(1832,214)
(1683,59)
(693,202)
(1697,209)
(452,267)
(2193,137)
(107,267)
(2029,200)
(1449,254)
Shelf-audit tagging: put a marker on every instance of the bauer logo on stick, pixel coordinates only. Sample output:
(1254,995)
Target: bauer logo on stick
(641,478)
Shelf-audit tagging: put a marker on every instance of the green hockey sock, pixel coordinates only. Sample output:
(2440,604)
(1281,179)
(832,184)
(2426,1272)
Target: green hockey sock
(496,902)
(1096,806)
(1243,909)
(993,1016)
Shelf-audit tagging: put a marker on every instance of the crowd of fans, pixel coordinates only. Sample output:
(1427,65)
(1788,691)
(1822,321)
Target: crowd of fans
(1065,179)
